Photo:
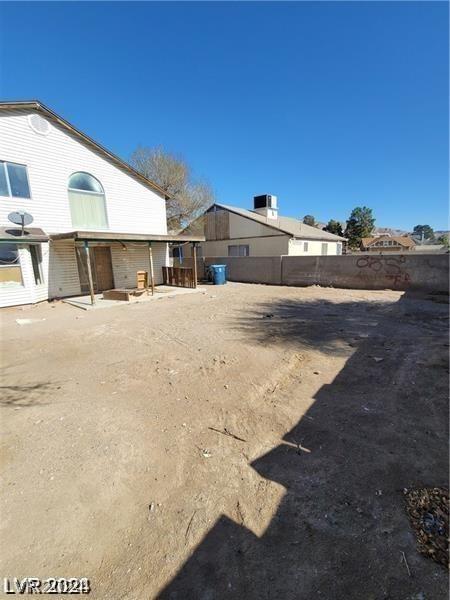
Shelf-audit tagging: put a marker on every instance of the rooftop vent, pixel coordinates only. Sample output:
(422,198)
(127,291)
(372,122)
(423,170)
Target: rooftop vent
(38,124)
(266,205)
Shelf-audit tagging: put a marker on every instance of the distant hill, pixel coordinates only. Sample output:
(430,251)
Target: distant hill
(388,230)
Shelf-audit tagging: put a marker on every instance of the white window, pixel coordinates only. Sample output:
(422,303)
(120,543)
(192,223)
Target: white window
(305,246)
(324,248)
(36,260)
(239,250)
(338,248)
(14,180)
(87,202)
(10,271)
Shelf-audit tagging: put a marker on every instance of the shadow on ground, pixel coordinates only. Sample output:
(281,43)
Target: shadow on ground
(23,394)
(379,427)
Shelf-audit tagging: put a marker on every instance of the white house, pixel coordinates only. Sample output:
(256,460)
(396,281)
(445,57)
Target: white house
(89,208)
(233,231)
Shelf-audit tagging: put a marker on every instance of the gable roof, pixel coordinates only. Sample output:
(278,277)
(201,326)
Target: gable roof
(287,225)
(47,112)
(401,240)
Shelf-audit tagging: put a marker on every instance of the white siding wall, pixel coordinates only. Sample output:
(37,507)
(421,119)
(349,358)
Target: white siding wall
(63,270)
(136,258)
(131,206)
(27,292)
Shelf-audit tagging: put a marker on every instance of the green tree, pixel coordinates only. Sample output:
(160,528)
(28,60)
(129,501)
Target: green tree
(187,197)
(333,227)
(443,239)
(309,220)
(424,230)
(359,225)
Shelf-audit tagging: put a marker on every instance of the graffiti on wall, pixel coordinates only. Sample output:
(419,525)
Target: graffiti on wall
(389,267)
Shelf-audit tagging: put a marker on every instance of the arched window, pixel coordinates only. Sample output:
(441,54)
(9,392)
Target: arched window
(87,202)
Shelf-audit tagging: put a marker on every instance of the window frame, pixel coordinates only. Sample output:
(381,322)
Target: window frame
(87,191)
(37,248)
(3,164)
(305,246)
(239,246)
(91,193)
(17,265)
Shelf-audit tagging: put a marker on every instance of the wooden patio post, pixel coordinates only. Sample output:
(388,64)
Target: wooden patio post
(194,261)
(152,275)
(89,270)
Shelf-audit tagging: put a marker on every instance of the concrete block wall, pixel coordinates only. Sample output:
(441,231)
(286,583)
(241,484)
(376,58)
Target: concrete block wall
(250,269)
(370,272)
(357,271)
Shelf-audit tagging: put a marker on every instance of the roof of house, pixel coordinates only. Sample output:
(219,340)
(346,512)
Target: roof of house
(402,240)
(50,114)
(287,225)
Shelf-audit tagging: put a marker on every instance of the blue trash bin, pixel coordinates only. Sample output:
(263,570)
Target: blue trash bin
(218,274)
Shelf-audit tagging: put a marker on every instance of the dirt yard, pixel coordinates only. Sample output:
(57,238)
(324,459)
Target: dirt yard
(248,442)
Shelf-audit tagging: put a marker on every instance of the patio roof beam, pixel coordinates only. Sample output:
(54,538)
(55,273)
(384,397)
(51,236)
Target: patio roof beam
(108,236)
(152,274)
(89,270)
(194,262)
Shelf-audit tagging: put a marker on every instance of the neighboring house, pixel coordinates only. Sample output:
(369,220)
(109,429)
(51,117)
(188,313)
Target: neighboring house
(233,231)
(89,208)
(387,243)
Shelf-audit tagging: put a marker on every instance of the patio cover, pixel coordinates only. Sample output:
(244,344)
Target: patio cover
(31,235)
(147,238)
(109,236)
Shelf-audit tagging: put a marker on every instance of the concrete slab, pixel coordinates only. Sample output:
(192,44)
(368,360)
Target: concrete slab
(161,291)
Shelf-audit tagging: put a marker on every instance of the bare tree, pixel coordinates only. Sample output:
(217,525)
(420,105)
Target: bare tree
(188,198)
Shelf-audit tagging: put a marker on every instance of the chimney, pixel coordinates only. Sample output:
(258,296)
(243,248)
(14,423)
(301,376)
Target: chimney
(266,206)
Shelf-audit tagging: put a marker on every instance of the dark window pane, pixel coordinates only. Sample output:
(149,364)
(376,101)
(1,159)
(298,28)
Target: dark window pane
(8,254)
(36,259)
(18,180)
(3,184)
(85,182)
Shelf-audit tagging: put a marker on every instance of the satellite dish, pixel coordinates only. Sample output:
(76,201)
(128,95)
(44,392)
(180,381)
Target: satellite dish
(20,218)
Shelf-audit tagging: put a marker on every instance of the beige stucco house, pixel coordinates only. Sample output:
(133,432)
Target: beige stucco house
(387,243)
(233,231)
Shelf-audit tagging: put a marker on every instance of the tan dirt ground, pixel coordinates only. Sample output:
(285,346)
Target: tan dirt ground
(113,469)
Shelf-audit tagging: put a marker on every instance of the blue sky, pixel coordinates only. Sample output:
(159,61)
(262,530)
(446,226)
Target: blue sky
(328,105)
